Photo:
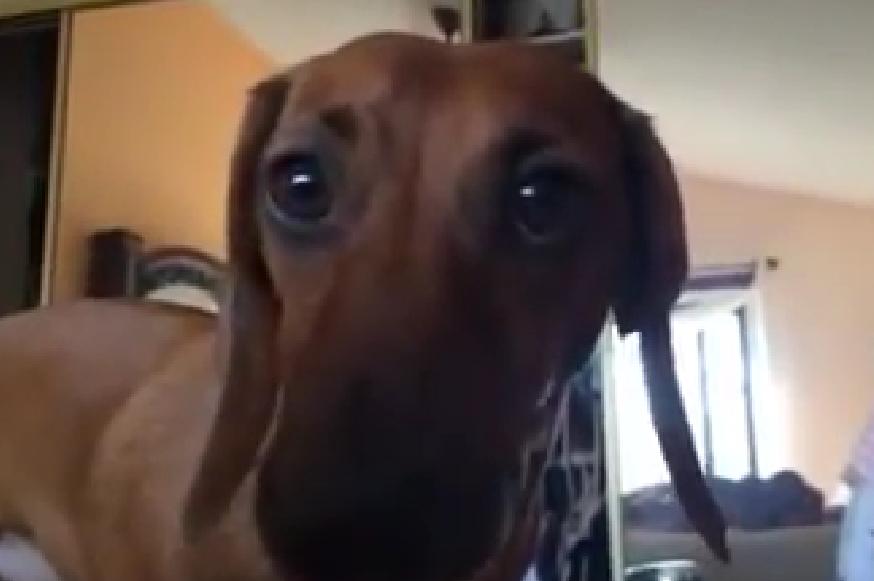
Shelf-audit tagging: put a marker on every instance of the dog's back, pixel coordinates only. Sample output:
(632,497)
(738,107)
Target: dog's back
(66,371)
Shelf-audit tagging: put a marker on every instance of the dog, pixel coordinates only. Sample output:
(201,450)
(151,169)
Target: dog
(424,241)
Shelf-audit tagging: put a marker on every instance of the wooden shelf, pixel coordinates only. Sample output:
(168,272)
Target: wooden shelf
(558,37)
(578,43)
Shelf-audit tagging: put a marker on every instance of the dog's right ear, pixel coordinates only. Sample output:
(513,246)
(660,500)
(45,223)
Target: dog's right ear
(657,269)
(249,382)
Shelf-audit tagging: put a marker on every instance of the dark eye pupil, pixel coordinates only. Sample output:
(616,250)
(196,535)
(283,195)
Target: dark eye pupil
(541,208)
(298,191)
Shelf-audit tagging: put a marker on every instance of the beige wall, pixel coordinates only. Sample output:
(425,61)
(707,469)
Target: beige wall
(818,308)
(154,100)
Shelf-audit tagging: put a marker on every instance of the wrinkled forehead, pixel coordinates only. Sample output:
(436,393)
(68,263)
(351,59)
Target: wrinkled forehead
(471,94)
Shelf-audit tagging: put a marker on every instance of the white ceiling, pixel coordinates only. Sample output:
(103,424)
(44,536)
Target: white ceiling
(292,30)
(775,93)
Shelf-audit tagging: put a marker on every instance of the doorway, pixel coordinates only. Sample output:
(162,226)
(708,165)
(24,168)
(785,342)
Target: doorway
(28,63)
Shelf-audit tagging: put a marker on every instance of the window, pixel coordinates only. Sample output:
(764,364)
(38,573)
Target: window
(710,328)
(712,369)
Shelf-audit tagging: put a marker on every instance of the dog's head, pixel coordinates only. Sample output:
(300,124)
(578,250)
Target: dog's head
(423,240)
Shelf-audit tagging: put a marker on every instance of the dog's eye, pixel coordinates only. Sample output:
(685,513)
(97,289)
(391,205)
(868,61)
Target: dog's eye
(543,206)
(298,192)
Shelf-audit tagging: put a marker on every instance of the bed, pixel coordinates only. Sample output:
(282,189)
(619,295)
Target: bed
(779,529)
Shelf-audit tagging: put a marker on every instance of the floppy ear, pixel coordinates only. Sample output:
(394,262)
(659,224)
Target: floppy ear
(658,265)
(249,385)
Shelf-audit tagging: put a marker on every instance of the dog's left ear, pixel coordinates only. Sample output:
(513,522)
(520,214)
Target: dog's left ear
(657,269)
(248,332)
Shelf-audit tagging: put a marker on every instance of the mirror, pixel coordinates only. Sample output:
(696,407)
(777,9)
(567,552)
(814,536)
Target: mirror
(771,134)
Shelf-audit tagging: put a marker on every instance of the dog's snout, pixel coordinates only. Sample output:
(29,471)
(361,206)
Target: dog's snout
(360,421)
(380,422)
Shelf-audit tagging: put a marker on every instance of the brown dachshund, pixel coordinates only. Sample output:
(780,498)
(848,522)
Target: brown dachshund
(424,242)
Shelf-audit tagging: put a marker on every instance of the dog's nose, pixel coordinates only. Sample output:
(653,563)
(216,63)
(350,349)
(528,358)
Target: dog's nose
(377,424)
(359,408)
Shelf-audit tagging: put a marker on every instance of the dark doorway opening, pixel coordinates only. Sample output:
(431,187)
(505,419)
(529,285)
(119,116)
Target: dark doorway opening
(28,65)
